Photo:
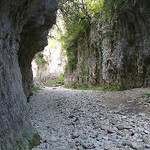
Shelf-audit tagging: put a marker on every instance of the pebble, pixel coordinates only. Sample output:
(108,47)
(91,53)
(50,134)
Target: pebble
(147,132)
(87,145)
(52,139)
(147,145)
(124,117)
(110,130)
(75,135)
(142,114)
(127,143)
(113,139)
(122,127)
(136,146)
(76,120)
(103,127)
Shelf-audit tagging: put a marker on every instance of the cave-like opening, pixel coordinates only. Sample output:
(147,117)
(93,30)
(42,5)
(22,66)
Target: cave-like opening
(48,66)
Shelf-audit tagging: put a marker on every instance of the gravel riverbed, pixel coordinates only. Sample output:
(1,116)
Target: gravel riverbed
(69,119)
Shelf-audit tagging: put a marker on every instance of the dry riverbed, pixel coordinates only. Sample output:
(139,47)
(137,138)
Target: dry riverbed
(69,119)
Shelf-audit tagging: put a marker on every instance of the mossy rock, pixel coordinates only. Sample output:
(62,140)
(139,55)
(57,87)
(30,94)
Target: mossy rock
(35,141)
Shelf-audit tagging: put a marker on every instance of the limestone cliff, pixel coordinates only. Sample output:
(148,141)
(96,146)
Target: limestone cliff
(51,68)
(34,38)
(23,32)
(50,63)
(116,52)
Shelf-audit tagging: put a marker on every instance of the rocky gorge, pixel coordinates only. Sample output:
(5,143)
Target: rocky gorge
(114,53)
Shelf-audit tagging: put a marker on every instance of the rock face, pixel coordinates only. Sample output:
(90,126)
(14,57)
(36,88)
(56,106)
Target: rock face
(34,38)
(23,32)
(53,63)
(117,52)
(50,63)
(52,67)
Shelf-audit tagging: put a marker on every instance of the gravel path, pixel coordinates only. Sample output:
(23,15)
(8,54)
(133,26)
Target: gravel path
(93,120)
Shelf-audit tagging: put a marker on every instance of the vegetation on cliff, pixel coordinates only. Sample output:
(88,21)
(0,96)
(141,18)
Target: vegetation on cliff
(79,15)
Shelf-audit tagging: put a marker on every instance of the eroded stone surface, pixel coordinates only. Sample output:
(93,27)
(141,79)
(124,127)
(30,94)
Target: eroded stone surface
(19,17)
(116,52)
(34,37)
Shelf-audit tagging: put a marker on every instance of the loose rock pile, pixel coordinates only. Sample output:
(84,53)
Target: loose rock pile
(76,120)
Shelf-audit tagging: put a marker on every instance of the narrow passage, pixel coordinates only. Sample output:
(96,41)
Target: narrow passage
(69,119)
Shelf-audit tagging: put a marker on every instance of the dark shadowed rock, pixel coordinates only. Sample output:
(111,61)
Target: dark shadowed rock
(34,38)
(23,32)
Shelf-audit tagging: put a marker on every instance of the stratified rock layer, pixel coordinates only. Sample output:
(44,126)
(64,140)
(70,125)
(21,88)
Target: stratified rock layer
(117,52)
(23,32)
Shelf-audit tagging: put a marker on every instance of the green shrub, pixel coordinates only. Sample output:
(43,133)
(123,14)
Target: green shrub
(146,97)
(85,71)
(84,86)
(54,82)
(61,77)
(36,88)
(109,88)
(122,86)
(73,85)
(39,58)
(50,82)
(72,62)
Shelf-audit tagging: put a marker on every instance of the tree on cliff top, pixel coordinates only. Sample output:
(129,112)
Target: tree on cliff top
(79,15)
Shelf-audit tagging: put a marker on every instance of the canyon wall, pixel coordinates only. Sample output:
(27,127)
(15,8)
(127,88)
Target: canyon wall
(24,26)
(53,65)
(50,63)
(116,51)
(34,39)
